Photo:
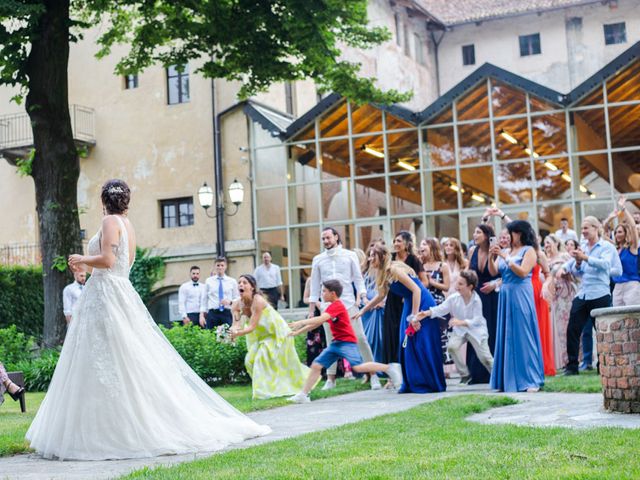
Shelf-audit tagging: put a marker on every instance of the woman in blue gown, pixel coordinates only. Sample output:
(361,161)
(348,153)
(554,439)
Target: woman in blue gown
(517,363)
(421,355)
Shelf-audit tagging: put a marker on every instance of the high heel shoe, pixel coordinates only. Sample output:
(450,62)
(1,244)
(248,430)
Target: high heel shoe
(19,395)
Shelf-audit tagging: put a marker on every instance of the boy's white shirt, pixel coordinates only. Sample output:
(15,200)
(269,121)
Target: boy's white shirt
(469,312)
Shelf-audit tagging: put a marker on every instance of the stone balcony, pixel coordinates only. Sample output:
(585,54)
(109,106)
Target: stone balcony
(16,135)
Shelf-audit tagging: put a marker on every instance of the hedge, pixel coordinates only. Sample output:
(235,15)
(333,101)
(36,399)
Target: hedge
(22,293)
(216,363)
(22,299)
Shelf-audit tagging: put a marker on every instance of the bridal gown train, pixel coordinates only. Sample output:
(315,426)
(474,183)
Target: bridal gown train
(120,390)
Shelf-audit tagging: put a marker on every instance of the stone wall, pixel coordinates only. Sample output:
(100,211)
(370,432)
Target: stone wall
(618,334)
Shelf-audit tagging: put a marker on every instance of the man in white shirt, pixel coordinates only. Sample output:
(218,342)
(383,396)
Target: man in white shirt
(219,293)
(269,280)
(469,325)
(190,298)
(71,294)
(337,263)
(565,233)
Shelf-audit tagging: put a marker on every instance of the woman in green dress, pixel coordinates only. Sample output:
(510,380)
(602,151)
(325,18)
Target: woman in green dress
(272,361)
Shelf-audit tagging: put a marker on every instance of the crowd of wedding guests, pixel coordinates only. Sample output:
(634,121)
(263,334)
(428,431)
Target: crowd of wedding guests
(509,308)
(506,309)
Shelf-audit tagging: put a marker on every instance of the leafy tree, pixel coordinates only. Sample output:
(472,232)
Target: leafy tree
(257,42)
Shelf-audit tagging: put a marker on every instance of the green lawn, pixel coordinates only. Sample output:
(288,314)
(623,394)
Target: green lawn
(586,382)
(14,425)
(430,441)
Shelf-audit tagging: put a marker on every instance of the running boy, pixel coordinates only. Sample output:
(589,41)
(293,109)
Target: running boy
(344,344)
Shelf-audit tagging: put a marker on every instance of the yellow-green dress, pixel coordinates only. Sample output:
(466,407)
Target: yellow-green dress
(272,360)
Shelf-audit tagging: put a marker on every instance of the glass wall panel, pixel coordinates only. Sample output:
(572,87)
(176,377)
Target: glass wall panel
(474,143)
(413,225)
(590,130)
(336,201)
(371,200)
(507,100)
(441,191)
(299,279)
(445,116)
(445,225)
(553,181)
(403,151)
(626,172)
(405,194)
(538,105)
(365,118)
(275,242)
(286,287)
(305,244)
(593,98)
(477,184)
(625,85)
(370,233)
(470,220)
(514,183)
(347,235)
(549,134)
(306,209)
(335,159)
(473,105)
(549,216)
(439,146)
(597,209)
(271,206)
(512,138)
(593,173)
(303,164)
(396,123)
(624,126)
(369,155)
(335,123)
(270,162)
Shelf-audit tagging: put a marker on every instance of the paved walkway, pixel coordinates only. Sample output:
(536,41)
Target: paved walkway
(539,409)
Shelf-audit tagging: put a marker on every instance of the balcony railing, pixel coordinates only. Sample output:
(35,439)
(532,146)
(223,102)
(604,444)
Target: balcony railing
(16,135)
(20,254)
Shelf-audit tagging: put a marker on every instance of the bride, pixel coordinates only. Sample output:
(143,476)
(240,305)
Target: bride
(120,390)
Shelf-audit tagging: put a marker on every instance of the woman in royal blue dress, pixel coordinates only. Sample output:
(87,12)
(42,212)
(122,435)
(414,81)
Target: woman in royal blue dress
(420,355)
(517,363)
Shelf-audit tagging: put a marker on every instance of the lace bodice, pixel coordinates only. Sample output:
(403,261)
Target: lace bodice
(121,266)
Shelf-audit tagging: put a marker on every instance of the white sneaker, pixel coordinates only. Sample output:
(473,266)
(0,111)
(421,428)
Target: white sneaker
(329,385)
(300,398)
(395,374)
(375,382)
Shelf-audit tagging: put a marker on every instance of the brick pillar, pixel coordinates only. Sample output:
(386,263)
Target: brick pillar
(618,334)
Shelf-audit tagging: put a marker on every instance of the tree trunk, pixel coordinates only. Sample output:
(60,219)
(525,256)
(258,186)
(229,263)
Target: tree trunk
(56,166)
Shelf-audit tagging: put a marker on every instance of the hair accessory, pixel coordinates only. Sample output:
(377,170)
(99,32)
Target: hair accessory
(115,190)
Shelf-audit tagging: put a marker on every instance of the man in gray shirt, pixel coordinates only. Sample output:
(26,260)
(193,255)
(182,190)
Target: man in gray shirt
(340,264)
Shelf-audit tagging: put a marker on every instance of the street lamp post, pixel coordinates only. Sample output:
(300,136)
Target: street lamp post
(206,197)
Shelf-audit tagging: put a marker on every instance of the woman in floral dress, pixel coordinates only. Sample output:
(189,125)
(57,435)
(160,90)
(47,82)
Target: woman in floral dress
(272,361)
(559,295)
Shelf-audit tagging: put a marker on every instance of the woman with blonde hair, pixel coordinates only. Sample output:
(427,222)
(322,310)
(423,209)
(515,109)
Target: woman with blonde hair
(454,258)
(403,251)
(594,262)
(627,285)
(559,294)
(420,355)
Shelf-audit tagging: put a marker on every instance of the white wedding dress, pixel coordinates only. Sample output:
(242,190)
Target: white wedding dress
(120,390)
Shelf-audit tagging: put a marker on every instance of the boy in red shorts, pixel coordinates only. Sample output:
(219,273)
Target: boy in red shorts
(344,344)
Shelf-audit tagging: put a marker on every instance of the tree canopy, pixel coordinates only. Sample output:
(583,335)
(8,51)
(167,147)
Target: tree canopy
(256,42)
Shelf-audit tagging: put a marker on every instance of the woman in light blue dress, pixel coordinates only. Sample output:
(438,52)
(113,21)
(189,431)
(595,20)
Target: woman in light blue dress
(517,363)
(372,320)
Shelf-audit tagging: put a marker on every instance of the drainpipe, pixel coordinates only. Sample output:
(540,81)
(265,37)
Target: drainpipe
(436,43)
(217,165)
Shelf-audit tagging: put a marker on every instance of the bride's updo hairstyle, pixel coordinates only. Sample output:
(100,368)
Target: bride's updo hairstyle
(115,196)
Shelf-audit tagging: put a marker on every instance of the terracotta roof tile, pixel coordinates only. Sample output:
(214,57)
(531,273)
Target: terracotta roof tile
(454,12)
